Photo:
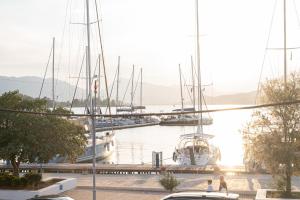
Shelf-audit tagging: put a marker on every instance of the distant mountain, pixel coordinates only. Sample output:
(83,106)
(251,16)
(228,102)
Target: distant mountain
(31,85)
(152,94)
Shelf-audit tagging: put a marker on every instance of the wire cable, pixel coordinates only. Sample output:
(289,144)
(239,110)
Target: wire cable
(154,114)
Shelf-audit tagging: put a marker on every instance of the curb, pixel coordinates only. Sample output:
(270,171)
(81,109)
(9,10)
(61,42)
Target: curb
(158,190)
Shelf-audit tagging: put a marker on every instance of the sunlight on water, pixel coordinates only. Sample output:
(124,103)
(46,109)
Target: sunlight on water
(135,146)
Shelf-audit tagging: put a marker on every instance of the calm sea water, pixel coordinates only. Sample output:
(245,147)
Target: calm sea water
(135,145)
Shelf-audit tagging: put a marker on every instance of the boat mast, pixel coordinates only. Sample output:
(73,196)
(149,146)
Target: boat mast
(86,79)
(118,80)
(53,63)
(90,97)
(132,87)
(181,96)
(99,78)
(284,41)
(141,91)
(193,83)
(200,126)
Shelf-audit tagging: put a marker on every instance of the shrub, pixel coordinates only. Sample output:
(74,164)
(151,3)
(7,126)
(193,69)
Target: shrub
(23,181)
(169,182)
(15,181)
(33,178)
(8,180)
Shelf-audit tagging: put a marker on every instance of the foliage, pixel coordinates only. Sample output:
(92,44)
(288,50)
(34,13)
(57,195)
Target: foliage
(33,178)
(30,179)
(169,181)
(35,138)
(272,137)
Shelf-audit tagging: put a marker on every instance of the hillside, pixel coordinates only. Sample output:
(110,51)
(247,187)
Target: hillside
(152,94)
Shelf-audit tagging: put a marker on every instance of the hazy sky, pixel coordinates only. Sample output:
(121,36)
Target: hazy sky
(156,35)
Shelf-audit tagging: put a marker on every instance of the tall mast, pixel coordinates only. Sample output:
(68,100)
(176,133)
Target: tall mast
(91,96)
(132,86)
(200,126)
(193,83)
(181,95)
(86,78)
(53,64)
(284,42)
(141,90)
(99,78)
(118,79)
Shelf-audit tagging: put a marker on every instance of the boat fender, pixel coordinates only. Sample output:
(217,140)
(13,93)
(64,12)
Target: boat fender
(174,157)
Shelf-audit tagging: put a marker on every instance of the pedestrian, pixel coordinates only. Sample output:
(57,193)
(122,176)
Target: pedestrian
(209,186)
(223,184)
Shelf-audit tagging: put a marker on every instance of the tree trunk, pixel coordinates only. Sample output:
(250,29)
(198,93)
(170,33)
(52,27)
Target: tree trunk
(15,165)
(288,174)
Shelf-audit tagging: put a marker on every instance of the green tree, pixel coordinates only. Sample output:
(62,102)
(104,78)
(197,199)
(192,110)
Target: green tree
(35,138)
(273,135)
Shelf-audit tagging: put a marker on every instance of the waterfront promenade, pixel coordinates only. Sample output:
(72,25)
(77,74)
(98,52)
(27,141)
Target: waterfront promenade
(146,186)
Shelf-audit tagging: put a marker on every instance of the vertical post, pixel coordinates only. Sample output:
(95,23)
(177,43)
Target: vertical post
(141,91)
(181,95)
(193,83)
(284,42)
(132,87)
(90,97)
(99,78)
(53,64)
(200,126)
(87,79)
(118,79)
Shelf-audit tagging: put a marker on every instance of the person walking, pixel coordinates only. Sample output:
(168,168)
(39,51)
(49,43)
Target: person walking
(223,184)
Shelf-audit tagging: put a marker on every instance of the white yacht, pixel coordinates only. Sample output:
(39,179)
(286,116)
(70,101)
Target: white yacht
(105,146)
(197,148)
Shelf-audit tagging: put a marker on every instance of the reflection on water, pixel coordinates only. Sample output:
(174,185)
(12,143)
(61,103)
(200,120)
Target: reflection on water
(135,146)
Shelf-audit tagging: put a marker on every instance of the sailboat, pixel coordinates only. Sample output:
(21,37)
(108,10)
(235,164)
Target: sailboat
(98,146)
(197,148)
(186,119)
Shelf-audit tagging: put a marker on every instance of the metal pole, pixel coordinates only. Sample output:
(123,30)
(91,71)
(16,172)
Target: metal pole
(53,63)
(200,126)
(91,98)
(181,96)
(141,91)
(193,83)
(99,78)
(284,42)
(87,78)
(132,87)
(118,79)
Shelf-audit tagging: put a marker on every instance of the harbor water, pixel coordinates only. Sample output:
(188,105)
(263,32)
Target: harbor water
(135,145)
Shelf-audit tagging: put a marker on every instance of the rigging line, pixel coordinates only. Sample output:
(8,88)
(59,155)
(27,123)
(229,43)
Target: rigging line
(265,52)
(46,71)
(61,45)
(82,63)
(126,91)
(296,11)
(103,60)
(49,113)
(205,104)
(187,88)
(112,87)
(136,85)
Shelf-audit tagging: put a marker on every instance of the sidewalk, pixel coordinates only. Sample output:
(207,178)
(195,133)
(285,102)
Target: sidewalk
(242,184)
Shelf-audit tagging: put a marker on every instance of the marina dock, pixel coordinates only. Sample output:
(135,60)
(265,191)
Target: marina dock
(126,126)
(122,169)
